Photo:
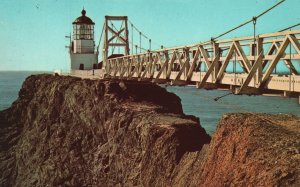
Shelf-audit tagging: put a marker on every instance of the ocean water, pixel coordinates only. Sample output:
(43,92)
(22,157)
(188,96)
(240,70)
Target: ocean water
(197,102)
(201,103)
(10,84)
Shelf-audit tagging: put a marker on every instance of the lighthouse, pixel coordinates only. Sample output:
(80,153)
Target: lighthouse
(82,47)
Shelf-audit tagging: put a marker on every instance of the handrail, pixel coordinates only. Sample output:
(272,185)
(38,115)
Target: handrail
(262,36)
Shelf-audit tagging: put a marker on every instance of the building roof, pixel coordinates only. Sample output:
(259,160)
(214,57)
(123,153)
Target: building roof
(83,19)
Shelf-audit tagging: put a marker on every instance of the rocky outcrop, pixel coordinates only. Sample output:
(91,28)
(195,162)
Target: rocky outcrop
(65,131)
(254,150)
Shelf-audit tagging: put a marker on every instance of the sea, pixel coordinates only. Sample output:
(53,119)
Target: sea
(197,102)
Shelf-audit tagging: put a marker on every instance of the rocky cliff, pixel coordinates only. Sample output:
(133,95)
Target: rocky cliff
(72,132)
(65,131)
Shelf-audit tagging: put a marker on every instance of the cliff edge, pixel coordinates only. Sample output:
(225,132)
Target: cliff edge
(73,132)
(66,131)
(254,150)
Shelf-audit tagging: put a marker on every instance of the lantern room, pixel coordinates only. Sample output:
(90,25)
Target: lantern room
(83,27)
(83,34)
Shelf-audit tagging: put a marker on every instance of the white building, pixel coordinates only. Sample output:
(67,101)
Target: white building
(82,49)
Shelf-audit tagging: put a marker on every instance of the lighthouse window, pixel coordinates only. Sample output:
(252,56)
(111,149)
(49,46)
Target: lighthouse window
(83,31)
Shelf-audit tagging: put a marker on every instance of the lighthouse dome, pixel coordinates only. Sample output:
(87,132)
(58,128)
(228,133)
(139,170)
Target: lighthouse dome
(83,19)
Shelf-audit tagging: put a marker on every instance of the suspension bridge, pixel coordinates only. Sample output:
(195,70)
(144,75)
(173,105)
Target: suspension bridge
(244,65)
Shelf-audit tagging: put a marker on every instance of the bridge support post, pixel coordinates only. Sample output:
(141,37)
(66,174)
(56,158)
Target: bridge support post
(198,86)
(286,93)
(167,59)
(299,99)
(258,75)
(110,34)
(187,61)
(234,89)
(216,50)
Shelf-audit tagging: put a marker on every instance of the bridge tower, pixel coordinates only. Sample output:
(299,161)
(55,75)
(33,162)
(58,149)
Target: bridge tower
(82,49)
(115,35)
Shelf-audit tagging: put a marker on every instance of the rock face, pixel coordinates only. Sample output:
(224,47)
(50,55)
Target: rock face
(254,150)
(65,131)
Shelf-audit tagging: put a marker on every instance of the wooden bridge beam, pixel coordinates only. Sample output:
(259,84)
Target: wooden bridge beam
(259,71)
(192,67)
(225,63)
(251,73)
(164,66)
(209,71)
(115,67)
(275,61)
(116,35)
(148,64)
(153,64)
(294,42)
(241,53)
(217,66)
(142,62)
(173,58)
(183,68)
(287,62)
(205,56)
(133,63)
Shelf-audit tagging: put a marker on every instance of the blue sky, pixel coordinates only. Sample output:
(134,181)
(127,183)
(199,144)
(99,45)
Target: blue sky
(32,32)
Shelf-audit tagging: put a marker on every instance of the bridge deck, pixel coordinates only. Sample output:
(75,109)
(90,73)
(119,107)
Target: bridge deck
(277,83)
(207,64)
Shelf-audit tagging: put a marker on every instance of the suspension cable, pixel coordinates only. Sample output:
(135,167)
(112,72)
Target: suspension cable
(141,35)
(112,49)
(138,46)
(217,98)
(288,28)
(249,21)
(138,30)
(254,44)
(234,68)
(256,17)
(132,38)
(254,37)
(140,41)
(290,85)
(270,8)
(100,39)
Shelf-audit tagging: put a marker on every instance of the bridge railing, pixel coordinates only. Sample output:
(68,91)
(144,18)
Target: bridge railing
(247,63)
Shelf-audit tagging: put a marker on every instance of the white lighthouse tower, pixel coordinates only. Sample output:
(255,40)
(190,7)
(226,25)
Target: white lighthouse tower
(82,49)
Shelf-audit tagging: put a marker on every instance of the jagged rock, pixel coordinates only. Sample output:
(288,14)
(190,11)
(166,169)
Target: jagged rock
(254,150)
(65,131)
